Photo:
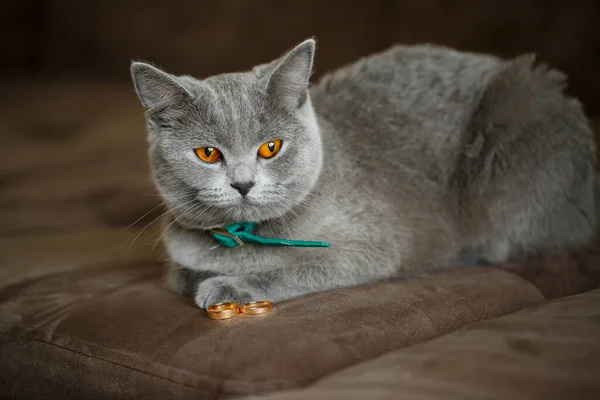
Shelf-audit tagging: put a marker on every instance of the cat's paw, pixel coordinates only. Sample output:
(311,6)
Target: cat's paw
(184,281)
(223,289)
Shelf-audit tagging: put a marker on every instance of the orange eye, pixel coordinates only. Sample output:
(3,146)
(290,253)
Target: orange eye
(269,149)
(208,154)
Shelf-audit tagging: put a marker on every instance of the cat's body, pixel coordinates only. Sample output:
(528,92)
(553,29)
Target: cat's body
(414,158)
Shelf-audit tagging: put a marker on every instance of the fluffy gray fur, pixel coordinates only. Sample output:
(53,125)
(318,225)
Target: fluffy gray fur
(415,158)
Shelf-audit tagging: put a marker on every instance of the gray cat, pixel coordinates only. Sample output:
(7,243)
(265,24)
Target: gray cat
(415,158)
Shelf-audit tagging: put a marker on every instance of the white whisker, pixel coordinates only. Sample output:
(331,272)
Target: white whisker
(171,226)
(157,218)
(140,218)
(283,219)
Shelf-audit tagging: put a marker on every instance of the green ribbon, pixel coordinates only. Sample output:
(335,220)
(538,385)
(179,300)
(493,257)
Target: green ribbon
(238,234)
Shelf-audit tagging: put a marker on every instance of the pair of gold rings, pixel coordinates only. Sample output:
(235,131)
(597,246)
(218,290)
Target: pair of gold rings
(230,310)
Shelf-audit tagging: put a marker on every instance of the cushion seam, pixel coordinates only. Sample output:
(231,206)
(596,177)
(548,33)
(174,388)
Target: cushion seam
(205,377)
(107,361)
(521,278)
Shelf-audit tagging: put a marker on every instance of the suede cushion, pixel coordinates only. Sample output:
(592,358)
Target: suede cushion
(546,352)
(79,315)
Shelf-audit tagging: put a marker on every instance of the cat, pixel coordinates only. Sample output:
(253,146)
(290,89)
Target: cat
(415,158)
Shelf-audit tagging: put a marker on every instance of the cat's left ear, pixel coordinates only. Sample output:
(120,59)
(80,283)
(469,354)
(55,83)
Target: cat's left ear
(156,88)
(288,84)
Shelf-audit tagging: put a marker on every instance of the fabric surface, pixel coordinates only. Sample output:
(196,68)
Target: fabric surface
(563,274)
(547,352)
(84,312)
(87,319)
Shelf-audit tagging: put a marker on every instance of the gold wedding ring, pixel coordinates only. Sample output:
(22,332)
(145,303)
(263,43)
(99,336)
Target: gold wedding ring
(222,311)
(230,310)
(256,307)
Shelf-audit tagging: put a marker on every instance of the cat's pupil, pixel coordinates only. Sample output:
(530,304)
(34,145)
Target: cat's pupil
(271,146)
(208,151)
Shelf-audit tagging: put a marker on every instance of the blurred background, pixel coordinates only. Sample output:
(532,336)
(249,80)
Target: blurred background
(73,147)
(70,38)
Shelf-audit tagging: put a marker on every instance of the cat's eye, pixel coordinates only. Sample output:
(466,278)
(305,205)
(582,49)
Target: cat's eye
(269,149)
(208,154)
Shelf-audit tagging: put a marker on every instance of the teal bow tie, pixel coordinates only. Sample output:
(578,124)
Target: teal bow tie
(238,234)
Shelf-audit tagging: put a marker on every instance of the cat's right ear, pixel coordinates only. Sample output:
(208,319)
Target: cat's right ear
(288,84)
(156,88)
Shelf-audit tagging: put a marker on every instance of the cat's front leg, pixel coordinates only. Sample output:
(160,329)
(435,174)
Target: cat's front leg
(184,281)
(277,285)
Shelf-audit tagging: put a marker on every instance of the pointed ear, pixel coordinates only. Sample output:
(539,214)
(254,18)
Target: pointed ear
(288,84)
(156,88)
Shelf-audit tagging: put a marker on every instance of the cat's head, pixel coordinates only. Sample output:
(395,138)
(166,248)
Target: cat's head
(232,147)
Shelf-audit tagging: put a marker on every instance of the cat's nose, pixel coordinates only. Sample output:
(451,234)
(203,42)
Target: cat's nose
(242,187)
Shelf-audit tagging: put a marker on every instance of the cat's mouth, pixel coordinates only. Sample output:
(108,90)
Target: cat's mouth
(244,209)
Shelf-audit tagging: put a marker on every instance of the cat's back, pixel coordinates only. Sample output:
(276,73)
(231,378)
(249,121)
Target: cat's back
(421,76)
(408,99)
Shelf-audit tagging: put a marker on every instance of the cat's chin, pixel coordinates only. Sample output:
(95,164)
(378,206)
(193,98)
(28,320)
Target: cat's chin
(248,211)
(242,212)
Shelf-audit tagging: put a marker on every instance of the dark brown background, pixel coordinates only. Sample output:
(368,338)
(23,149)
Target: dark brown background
(99,38)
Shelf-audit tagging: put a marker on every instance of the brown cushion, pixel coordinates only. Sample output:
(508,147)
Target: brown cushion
(546,352)
(99,322)
(563,274)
